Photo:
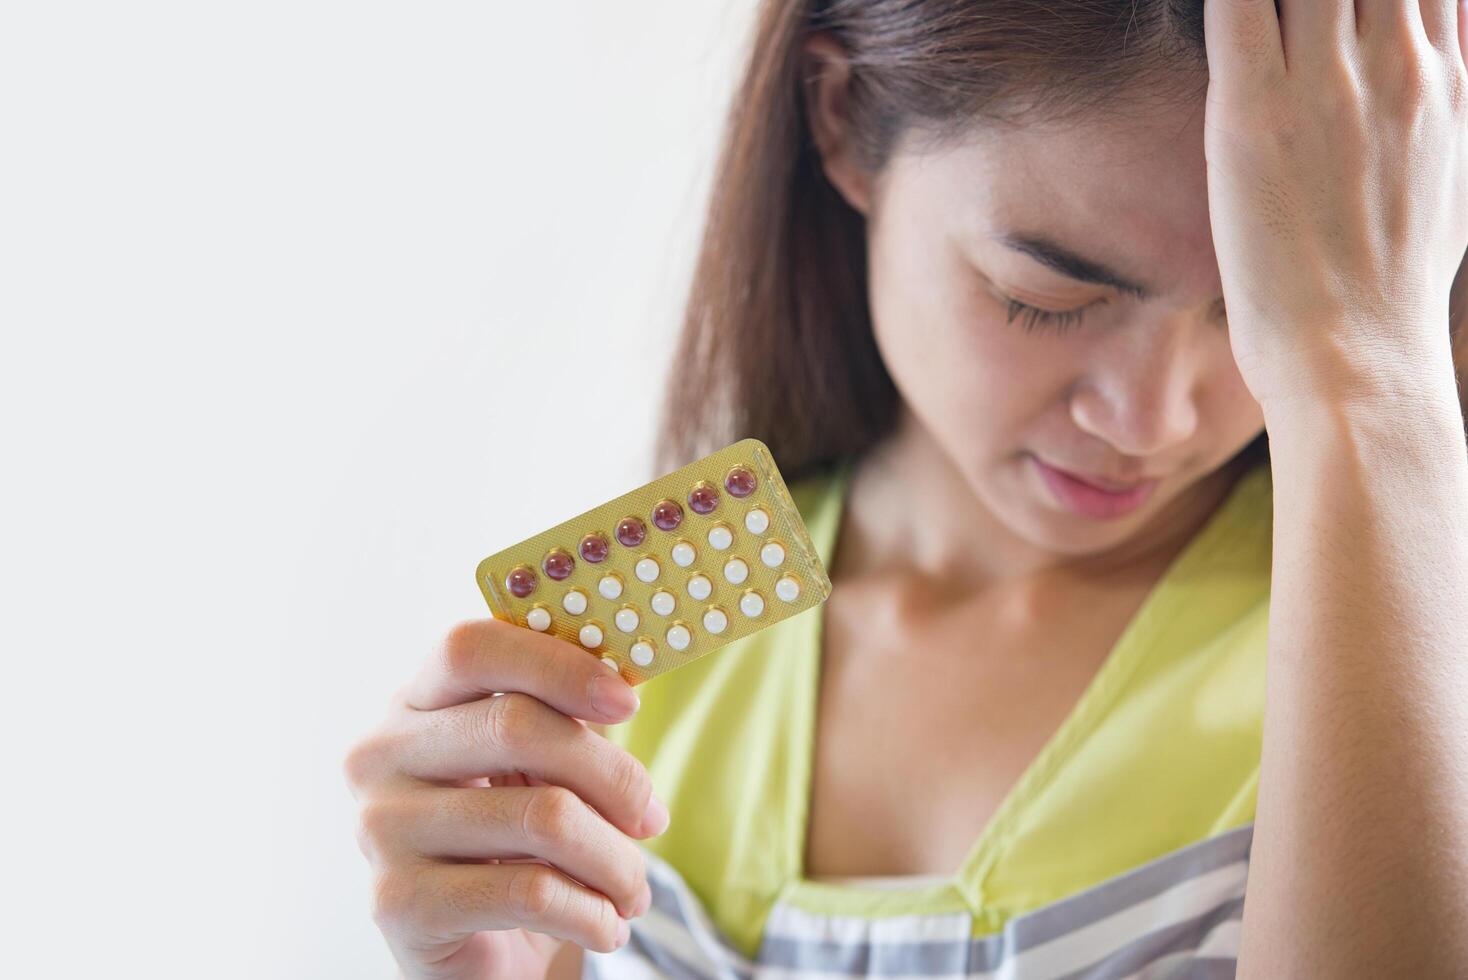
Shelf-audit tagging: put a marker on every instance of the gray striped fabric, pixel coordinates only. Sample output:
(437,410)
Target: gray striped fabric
(1176,918)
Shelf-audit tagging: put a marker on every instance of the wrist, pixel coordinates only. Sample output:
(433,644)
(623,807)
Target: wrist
(1293,366)
(1406,424)
(1351,378)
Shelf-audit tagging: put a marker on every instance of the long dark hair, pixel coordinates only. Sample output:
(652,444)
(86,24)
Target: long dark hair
(777,338)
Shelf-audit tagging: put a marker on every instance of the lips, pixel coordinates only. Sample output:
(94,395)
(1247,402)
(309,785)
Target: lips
(1101,482)
(1098,498)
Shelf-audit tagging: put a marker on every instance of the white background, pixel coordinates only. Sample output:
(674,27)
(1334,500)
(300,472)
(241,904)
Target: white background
(306,307)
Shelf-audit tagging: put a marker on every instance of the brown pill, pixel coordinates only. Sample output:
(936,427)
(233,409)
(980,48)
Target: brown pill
(667,515)
(703,499)
(558,564)
(740,482)
(594,548)
(631,531)
(520,581)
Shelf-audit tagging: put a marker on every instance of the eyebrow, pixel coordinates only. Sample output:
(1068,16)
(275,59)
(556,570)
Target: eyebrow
(1068,263)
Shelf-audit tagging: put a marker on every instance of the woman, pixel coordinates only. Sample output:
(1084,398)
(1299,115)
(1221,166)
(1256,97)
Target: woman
(965,273)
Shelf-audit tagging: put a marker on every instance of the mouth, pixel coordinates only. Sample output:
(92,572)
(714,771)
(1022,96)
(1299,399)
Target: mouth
(1092,496)
(1101,482)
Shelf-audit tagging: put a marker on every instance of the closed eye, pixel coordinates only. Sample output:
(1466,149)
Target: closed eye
(1036,319)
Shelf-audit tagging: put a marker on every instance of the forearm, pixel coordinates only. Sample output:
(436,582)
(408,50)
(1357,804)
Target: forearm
(1360,860)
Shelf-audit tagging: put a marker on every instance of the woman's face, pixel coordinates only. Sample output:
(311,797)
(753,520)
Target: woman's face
(1125,379)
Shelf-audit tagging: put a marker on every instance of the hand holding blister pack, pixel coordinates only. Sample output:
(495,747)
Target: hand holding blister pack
(670,572)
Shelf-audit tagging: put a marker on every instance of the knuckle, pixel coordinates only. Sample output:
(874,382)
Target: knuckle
(364,761)
(1341,91)
(606,925)
(551,815)
(533,894)
(633,876)
(1413,83)
(629,779)
(394,900)
(459,650)
(510,721)
(378,822)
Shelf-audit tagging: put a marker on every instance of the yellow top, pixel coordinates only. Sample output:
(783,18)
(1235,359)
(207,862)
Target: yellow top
(1161,750)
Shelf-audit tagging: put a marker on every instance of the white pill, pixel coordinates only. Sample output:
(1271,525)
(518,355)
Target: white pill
(574,602)
(715,621)
(611,663)
(641,653)
(679,637)
(736,571)
(610,587)
(757,521)
(647,569)
(720,537)
(752,604)
(662,603)
(683,554)
(538,619)
(772,554)
(626,620)
(591,636)
(700,587)
(788,588)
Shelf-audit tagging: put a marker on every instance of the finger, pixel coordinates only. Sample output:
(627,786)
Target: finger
(487,656)
(458,900)
(1388,18)
(1318,30)
(1245,48)
(516,733)
(1440,19)
(550,823)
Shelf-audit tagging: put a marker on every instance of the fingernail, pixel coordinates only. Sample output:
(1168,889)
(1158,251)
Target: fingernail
(655,817)
(624,931)
(612,697)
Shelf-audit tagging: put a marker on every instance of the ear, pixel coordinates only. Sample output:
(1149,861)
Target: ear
(825,78)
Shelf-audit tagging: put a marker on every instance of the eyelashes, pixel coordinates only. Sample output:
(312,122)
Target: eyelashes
(1035,320)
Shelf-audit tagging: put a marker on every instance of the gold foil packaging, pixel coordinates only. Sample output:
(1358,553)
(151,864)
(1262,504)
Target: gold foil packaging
(670,572)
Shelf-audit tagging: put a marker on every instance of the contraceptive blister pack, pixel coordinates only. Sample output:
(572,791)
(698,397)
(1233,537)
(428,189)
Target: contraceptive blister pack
(670,572)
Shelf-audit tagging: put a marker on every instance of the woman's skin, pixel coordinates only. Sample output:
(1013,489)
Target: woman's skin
(1299,157)
(950,533)
(1337,148)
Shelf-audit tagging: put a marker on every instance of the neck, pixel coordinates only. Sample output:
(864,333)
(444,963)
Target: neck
(911,510)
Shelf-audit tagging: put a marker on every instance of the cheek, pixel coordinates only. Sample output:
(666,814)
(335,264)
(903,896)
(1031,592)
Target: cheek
(960,367)
(1235,418)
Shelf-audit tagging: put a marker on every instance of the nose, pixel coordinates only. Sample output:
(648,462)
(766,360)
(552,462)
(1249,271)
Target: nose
(1139,392)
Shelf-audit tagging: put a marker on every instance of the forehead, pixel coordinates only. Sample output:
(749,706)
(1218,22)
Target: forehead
(1131,192)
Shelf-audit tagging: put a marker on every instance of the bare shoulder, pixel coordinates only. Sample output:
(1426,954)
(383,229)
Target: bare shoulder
(566,964)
